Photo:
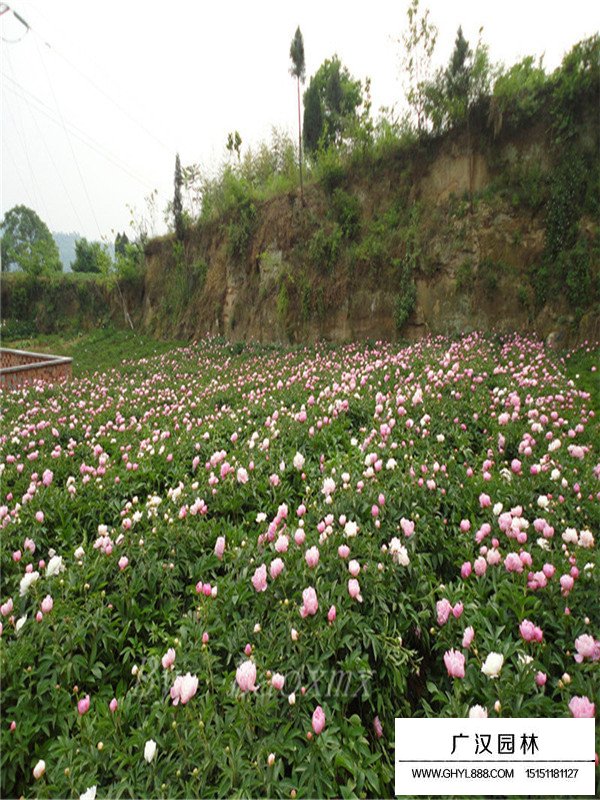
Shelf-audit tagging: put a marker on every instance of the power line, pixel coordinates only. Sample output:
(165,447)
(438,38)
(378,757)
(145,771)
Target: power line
(98,88)
(49,152)
(23,136)
(18,171)
(89,141)
(83,183)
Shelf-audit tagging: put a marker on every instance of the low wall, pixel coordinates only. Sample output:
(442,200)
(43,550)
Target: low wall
(20,367)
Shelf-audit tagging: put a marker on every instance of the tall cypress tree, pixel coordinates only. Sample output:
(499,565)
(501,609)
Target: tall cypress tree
(177,202)
(298,71)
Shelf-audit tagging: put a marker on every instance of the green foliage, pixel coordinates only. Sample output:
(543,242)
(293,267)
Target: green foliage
(517,91)
(464,276)
(283,302)
(177,201)
(489,270)
(339,96)
(577,77)
(121,243)
(324,248)
(407,294)
(298,68)
(418,44)
(27,243)
(345,210)
(91,257)
(563,208)
(330,170)
(453,92)
(234,143)
(573,269)
(242,223)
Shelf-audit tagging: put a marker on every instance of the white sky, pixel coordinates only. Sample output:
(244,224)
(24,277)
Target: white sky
(139,81)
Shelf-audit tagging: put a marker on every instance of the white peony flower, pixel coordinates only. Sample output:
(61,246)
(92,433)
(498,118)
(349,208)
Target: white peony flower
(20,622)
(150,750)
(298,461)
(55,565)
(350,529)
(477,712)
(26,581)
(39,769)
(493,665)
(89,794)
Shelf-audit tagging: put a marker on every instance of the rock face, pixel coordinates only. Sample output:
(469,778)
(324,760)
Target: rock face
(446,209)
(446,237)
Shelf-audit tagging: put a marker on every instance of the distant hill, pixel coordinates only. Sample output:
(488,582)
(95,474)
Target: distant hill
(66,247)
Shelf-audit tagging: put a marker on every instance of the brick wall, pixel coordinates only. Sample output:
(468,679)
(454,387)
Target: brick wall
(20,367)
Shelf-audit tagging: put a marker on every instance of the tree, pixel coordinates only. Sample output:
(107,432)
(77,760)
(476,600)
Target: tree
(177,201)
(121,242)
(27,243)
(91,257)
(330,104)
(234,143)
(298,71)
(453,92)
(313,118)
(418,43)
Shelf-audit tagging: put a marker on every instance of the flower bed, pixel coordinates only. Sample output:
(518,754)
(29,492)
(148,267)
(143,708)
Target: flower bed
(225,573)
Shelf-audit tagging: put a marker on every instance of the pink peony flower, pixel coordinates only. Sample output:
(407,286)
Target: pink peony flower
(184,688)
(443,609)
(468,636)
(354,568)
(220,547)
(123,563)
(259,579)
(331,615)
(530,632)
(47,604)
(541,678)
(312,557)
(582,707)
(377,727)
(455,663)
(343,551)
(457,610)
(113,705)
(310,604)
(245,676)
(276,568)
(6,608)
(586,647)
(318,720)
(168,659)
(277,681)
(354,590)
(466,569)
(83,705)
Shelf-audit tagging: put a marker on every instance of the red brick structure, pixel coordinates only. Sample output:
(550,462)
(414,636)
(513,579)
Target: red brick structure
(20,367)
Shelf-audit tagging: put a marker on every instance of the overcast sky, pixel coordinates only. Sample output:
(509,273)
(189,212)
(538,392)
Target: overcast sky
(99,96)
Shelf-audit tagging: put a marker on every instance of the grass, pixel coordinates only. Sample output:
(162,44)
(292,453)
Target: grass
(100,349)
(579,369)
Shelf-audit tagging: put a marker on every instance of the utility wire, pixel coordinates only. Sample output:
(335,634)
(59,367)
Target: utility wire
(98,88)
(35,189)
(21,92)
(48,151)
(83,183)
(18,171)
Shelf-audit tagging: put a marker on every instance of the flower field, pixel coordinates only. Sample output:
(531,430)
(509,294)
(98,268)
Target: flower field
(226,570)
